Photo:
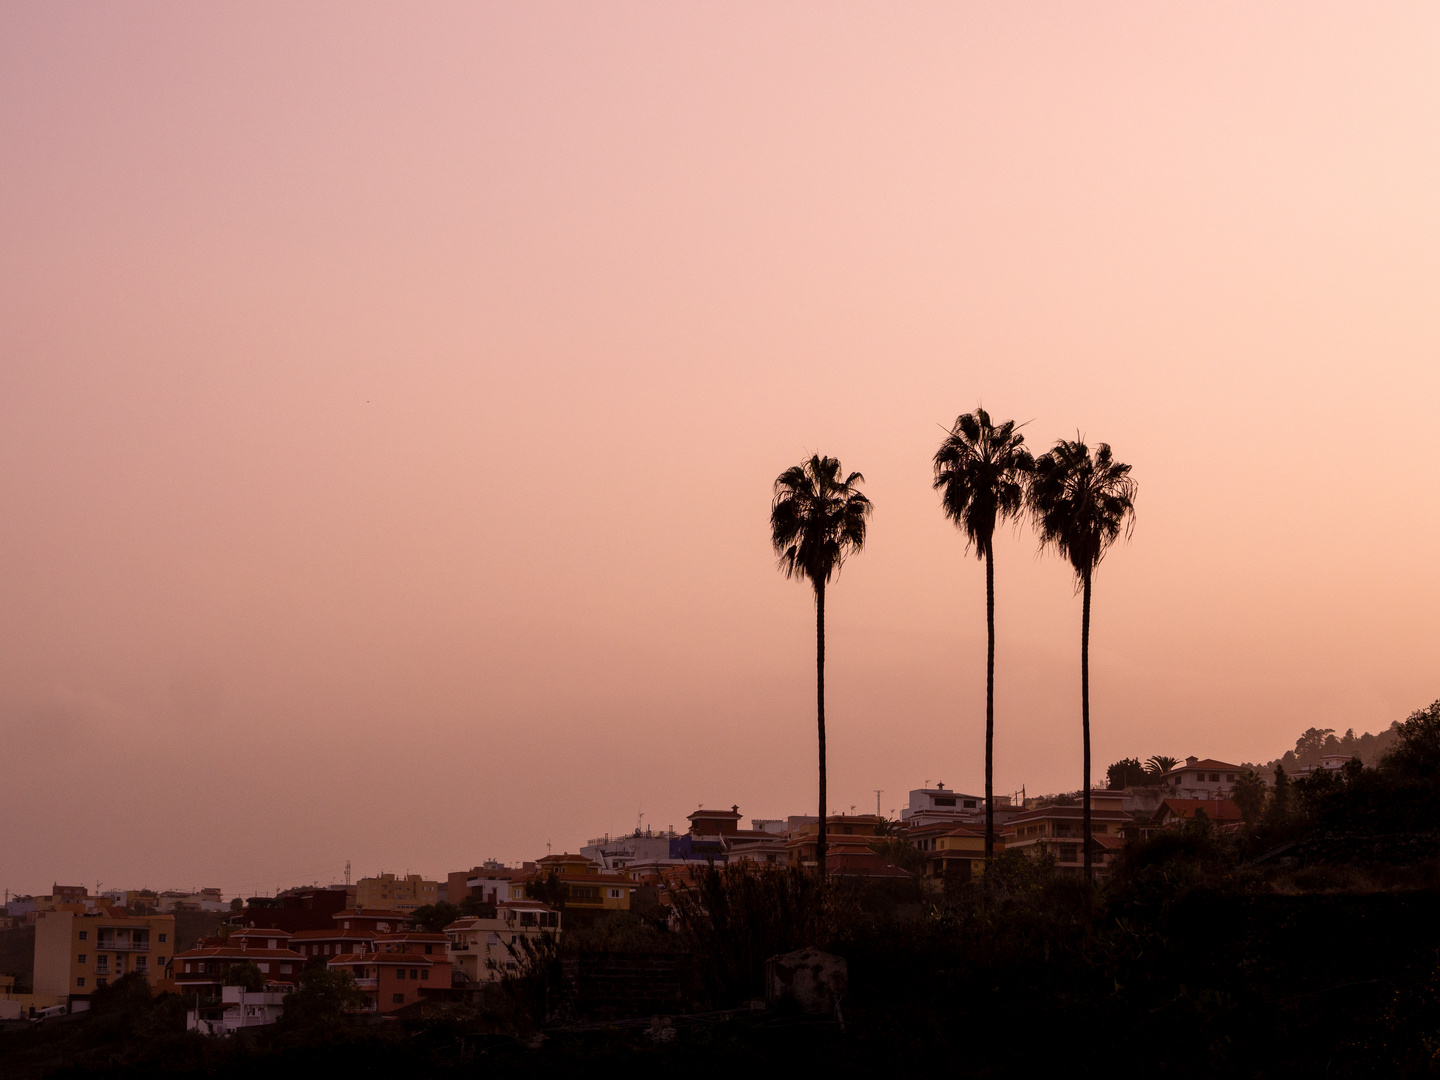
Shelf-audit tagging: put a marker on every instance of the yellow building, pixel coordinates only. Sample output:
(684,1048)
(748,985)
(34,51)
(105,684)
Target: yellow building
(587,887)
(76,953)
(393,893)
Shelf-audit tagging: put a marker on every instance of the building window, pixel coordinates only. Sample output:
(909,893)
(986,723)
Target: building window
(397,999)
(84,935)
(160,960)
(80,982)
(414,973)
(429,949)
(101,982)
(80,959)
(1215,777)
(162,939)
(400,973)
(265,968)
(424,973)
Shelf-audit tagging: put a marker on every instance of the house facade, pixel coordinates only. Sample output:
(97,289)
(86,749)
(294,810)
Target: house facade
(76,952)
(484,949)
(1059,831)
(1200,778)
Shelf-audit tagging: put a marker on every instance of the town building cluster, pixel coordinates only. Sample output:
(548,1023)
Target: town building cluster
(84,941)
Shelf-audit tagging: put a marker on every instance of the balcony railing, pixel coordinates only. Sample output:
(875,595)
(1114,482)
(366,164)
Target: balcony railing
(111,945)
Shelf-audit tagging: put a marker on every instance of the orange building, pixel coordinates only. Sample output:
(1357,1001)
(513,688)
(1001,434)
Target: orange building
(400,970)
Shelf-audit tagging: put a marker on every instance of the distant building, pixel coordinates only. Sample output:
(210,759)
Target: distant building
(237,1008)
(76,953)
(400,970)
(401,893)
(296,909)
(942,805)
(199,900)
(203,970)
(587,886)
(848,851)
(486,949)
(1173,811)
(1058,831)
(1200,779)
(957,855)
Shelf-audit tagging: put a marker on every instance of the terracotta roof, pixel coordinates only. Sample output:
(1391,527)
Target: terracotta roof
(1105,840)
(232,952)
(965,830)
(260,932)
(369,913)
(331,935)
(411,935)
(394,959)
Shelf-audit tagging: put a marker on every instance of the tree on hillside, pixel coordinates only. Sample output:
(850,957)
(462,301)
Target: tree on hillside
(1082,504)
(1278,812)
(433,918)
(817,520)
(1250,794)
(1124,773)
(1416,753)
(981,470)
(245,974)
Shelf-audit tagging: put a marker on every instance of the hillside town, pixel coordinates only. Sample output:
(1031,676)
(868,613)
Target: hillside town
(382,930)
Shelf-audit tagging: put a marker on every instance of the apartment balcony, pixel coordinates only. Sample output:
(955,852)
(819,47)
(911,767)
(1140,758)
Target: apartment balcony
(368,984)
(110,945)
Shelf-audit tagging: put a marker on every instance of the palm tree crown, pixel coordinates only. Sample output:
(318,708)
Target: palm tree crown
(980,472)
(1081,504)
(817,519)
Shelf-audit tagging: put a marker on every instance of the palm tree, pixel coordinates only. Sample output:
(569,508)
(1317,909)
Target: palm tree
(1081,505)
(981,471)
(817,520)
(1157,765)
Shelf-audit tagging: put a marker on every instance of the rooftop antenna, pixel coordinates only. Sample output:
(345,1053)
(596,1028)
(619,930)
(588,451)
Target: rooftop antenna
(347,871)
(878,792)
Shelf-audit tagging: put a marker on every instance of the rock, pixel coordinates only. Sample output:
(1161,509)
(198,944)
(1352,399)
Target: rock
(813,979)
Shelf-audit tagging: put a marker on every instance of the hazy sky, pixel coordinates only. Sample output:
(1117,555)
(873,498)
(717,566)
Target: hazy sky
(390,398)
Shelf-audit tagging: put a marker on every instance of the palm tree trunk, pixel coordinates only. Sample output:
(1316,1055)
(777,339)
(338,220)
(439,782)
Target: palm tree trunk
(1085,724)
(820,714)
(990,708)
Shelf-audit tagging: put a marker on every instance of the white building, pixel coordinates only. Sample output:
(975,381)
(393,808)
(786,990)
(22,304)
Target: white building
(1201,778)
(484,950)
(238,1008)
(941,805)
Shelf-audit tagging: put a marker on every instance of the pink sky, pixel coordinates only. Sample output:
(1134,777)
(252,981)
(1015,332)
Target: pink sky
(390,398)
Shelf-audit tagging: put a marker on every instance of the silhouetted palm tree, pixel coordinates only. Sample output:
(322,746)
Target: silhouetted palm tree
(981,470)
(817,521)
(1157,765)
(1081,506)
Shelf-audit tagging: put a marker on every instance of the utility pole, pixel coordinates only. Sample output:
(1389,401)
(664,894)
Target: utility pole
(347,872)
(878,792)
